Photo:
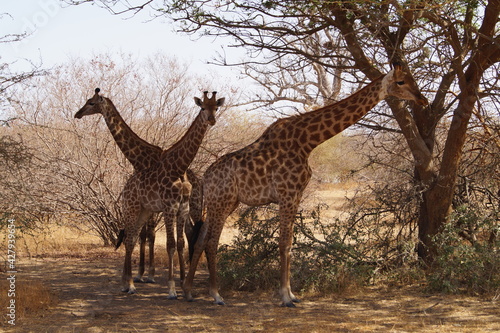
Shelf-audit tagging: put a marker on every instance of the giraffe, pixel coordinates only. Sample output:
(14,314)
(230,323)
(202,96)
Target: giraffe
(274,169)
(159,189)
(142,155)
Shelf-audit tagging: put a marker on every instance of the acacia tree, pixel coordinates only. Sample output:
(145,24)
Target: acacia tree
(453,50)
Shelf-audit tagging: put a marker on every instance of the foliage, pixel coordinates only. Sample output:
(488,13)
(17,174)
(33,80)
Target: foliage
(331,256)
(464,267)
(335,256)
(252,261)
(327,256)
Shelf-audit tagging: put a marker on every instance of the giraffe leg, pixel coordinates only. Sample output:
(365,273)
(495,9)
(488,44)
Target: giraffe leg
(183,219)
(128,284)
(200,245)
(211,252)
(142,250)
(287,216)
(133,223)
(170,221)
(215,221)
(151,238)
(131,236)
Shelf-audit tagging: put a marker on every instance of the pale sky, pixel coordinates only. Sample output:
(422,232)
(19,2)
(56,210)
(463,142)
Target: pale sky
(58,33)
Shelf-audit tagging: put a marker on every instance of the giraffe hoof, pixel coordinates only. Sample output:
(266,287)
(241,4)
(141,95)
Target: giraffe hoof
(149,280)
(288,305)
(139,280)
(129,290)
(172,298)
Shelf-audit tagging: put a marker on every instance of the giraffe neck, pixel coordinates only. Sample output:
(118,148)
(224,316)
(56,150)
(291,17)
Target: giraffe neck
(179,157)
(138,152)
(313,128)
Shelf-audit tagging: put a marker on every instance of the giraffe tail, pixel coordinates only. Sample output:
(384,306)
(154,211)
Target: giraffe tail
(121,237)
(194,237)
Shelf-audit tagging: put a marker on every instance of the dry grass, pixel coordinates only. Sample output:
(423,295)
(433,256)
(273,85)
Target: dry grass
(32,297)
(60,241)
(57,241)
(69,282)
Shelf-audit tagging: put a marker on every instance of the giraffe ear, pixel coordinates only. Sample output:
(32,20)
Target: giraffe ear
(220,101)
(198,101)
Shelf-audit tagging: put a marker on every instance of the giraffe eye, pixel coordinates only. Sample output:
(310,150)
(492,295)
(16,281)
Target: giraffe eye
(91,103)
(400,83)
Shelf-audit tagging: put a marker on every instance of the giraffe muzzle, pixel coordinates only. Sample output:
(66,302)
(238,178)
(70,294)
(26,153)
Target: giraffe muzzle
(211,120)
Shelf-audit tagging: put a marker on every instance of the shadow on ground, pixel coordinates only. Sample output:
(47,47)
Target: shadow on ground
(90,300)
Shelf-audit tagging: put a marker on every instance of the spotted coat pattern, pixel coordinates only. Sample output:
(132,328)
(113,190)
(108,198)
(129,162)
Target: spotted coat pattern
(143,155)
(275,169)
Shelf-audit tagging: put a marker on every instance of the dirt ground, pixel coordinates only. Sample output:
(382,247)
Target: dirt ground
(85,280)
(89,300)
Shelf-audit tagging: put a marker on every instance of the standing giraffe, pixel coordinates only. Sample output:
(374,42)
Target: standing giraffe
(275,169)
(159,189)
(142,155)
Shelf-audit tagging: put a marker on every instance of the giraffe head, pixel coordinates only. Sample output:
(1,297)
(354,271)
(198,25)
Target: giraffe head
(400,84)
(209,106)
(92,106)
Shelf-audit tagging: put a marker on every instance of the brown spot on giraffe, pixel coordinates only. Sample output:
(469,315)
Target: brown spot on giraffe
(287,174)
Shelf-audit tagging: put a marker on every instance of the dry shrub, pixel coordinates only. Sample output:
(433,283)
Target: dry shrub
(325,259)
(469,265)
